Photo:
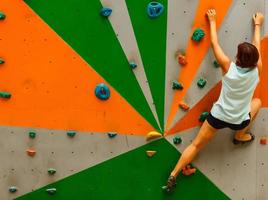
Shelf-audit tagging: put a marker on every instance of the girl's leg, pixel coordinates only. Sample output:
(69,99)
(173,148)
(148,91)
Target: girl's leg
(242,135)
(205,134)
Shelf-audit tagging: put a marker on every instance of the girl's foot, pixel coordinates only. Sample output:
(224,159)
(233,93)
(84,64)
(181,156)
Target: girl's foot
(242,139)
(171,184)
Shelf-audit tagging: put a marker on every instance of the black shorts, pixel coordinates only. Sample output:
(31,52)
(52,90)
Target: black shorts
(219,124)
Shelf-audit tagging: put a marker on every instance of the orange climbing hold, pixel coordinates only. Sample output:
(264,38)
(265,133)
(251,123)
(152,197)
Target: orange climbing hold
(31,152)
(182,60)
(263,140)
(150,153)
(184,106)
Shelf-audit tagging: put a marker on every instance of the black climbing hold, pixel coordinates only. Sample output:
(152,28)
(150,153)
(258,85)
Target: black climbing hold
(155,9)
(5,95)
(71,134)
(198,35)
(102,91)
(177,86)
(32,134)
(133,65)
(106,12)
(203,116)
(13,189)
(201,83)
(112,135)
(2,16)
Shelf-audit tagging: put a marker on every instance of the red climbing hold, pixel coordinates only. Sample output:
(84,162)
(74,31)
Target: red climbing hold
(263,140)
(31,152)
(188,170)
(182,60)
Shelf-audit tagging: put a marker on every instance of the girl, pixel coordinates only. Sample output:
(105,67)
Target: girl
(235,108)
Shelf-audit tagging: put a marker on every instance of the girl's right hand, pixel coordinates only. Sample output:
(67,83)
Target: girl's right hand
(258,18)
(211,14)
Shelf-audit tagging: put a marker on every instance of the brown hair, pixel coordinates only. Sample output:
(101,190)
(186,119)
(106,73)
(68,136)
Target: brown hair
(247,55)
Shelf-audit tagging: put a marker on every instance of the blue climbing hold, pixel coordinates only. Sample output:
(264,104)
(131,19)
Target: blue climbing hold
(13,189)
(102,91)
(112,135)
(155,9)
(106,12)
(133,65)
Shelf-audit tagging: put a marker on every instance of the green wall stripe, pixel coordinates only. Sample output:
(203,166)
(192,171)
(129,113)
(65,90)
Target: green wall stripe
(151,39)
(132,176)
(79,23)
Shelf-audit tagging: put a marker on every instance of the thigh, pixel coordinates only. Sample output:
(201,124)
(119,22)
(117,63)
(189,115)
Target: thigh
(255,107)
(205,134)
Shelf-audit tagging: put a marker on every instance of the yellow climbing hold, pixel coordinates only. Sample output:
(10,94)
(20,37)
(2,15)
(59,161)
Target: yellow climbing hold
(150,153)
(153,135)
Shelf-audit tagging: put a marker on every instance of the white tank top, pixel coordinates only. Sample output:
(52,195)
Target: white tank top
(238,86)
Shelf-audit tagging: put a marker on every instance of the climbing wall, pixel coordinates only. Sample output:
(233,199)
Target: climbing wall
(84,83)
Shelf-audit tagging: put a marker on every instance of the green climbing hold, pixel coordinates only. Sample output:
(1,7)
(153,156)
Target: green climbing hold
(2,16)
(51,171)
(216,64)
(5,95)
(203,116)
(2,61)
(198,35)
(177,140)
(51,191)
(71,134)
(13,189)
(177,86)
(201,82)
(32,134)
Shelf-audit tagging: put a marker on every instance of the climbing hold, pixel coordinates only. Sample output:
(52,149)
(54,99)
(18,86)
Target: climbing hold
(5,95)
(2,16)
(198,35)
(102,91)
(182,60)
(13,189)
(188,170)
(150,153)
(51,171)
(201,83)
(153,135)
(51,191)
(216,64)
(2,61)
(263,140)
(203,116)
(31,152)
(106,12)
(112,135)
(177,86)
(184,106)
(32,134)
(177,140)
(133,65)
(155,9)
(71,134)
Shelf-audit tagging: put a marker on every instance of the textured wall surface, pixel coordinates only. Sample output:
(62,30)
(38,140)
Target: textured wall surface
(57,51)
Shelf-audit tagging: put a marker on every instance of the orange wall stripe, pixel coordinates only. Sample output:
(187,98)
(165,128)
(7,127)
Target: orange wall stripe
(264,75)
(51,86)
(196,51)
(191,119)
